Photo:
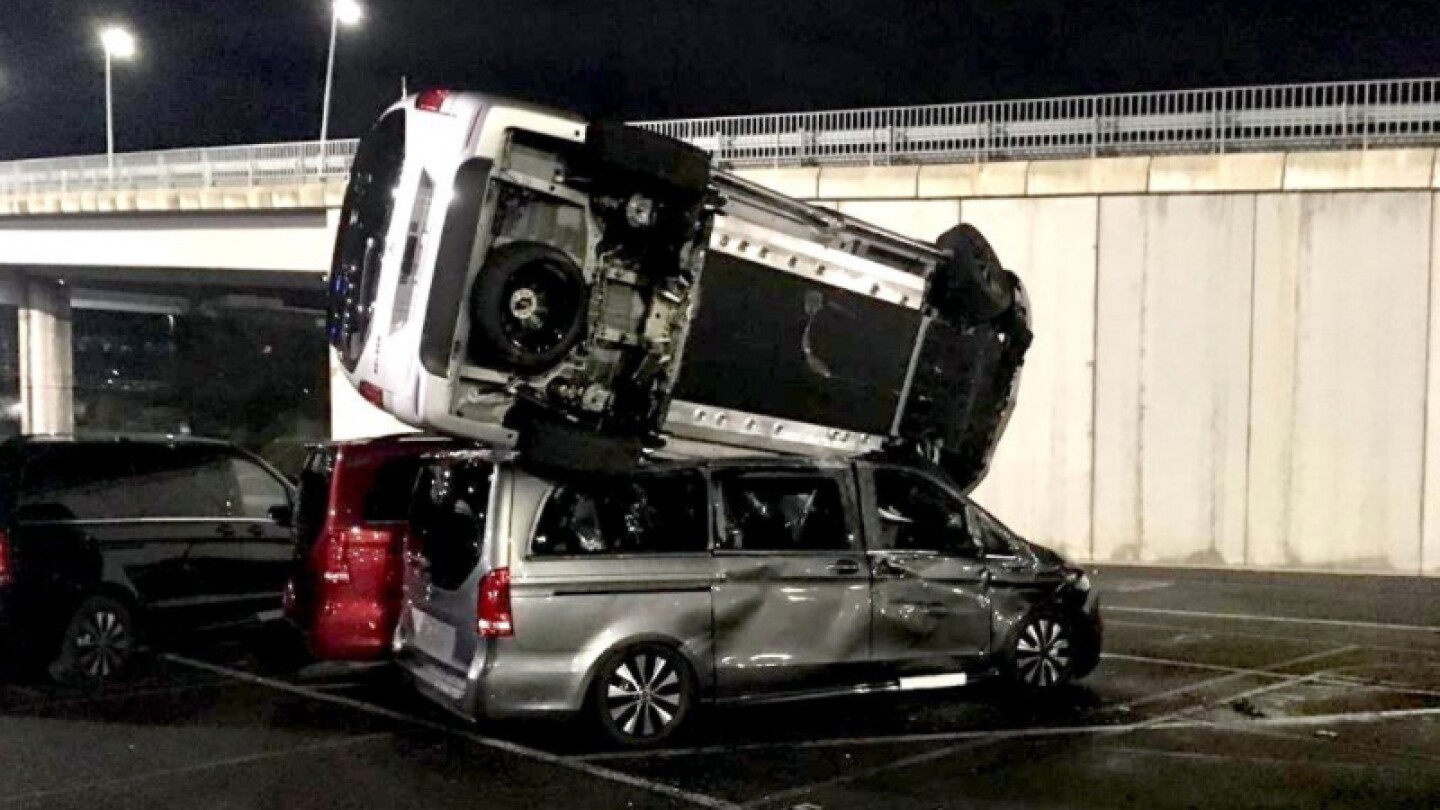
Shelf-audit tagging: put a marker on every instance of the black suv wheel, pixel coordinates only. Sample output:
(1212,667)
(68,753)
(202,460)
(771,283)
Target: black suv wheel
(97,644)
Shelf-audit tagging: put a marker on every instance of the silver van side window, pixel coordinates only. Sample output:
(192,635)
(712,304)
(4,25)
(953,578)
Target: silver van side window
(784,512)
(642,514)
(916,514)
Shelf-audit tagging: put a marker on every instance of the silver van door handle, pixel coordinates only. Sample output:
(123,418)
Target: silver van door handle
(844,567)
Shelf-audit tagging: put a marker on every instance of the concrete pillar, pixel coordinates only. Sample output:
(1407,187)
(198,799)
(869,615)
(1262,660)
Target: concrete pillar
(47,379)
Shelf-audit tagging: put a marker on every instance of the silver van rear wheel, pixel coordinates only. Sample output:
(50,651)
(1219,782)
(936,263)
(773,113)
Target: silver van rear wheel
(643,694)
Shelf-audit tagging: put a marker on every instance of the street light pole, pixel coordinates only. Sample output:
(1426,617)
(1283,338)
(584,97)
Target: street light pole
(109,114)
(329,80)
(347,12)
(119,44)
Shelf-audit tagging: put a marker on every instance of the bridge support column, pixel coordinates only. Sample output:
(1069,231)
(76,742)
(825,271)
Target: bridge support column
(47,379)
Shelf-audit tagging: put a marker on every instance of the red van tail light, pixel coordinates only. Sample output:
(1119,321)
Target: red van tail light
(337,558)
(493,616)
(5,562)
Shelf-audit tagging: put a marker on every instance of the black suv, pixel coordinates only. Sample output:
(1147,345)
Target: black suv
(101,539)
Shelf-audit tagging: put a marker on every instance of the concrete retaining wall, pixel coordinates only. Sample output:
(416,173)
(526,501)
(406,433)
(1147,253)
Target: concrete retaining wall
(1237,360)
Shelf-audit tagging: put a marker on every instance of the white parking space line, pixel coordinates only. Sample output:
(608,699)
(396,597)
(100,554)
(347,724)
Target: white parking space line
(1346,717)
(1137,586)
(22,691)
(1198,756)
(125,781)
(1232,673)
(1251,617)
(804,790)
(1235,675)
(1210,631)
(137,693)
(997,737)
(600,772)
(1180,663)
(1334,678)
(848,742)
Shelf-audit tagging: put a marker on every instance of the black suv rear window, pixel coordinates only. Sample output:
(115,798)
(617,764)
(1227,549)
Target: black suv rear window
(642,514)
(65,482)
(114,481)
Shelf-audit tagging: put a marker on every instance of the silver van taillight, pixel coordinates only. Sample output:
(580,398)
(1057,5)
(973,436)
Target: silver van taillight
(493,616)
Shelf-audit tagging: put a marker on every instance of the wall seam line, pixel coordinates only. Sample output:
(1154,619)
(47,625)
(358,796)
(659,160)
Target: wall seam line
(1250,374)
(1142,318)
(1425,399)
(1094,371)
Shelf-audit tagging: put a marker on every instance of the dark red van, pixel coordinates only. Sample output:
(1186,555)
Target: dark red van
(344,591)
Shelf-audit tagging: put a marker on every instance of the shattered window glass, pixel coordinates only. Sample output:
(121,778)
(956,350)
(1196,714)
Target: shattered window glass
(648,514)
(785,512)
(916,514)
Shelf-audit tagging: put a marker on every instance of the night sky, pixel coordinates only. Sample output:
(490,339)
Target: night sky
(247,71)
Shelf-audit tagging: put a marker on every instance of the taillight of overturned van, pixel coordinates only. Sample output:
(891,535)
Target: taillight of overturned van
(433,100)
(5,573)
(493,618)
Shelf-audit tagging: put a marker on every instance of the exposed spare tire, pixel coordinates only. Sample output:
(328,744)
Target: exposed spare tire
(527,308)
(971,286)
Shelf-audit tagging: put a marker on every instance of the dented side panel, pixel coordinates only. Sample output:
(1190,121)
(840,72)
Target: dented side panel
(791,621)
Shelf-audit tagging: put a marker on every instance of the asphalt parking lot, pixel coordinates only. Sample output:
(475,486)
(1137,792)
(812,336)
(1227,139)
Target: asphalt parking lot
(1217,689)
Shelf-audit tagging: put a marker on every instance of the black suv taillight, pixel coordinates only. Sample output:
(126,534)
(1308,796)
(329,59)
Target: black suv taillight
(5,571)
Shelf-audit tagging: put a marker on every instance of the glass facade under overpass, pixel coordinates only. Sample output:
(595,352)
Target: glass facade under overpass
(246,362)
(254,375)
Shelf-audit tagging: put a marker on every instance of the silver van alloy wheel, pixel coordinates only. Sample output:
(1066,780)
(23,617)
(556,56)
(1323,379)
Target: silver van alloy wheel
(643,695)
(1042,653)
(101,643)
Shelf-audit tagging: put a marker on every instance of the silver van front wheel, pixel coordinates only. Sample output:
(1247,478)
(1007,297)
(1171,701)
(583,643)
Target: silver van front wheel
(1042,652)
(643,694)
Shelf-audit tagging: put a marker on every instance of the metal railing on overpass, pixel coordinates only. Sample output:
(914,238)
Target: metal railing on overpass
(222,167)
(1339,115)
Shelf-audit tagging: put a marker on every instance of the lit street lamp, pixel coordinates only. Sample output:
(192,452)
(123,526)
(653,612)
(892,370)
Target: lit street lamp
(119,44)
(343,12)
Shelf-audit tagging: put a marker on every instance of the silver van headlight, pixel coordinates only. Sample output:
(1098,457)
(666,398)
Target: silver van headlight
(1078,579)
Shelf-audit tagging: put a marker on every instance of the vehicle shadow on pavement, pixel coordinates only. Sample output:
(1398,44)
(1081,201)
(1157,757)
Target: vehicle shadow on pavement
(157,691)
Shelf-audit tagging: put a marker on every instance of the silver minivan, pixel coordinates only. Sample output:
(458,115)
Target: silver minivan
(634,598)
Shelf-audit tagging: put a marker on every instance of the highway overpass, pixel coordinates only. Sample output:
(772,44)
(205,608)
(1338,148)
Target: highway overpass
(1232,292)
